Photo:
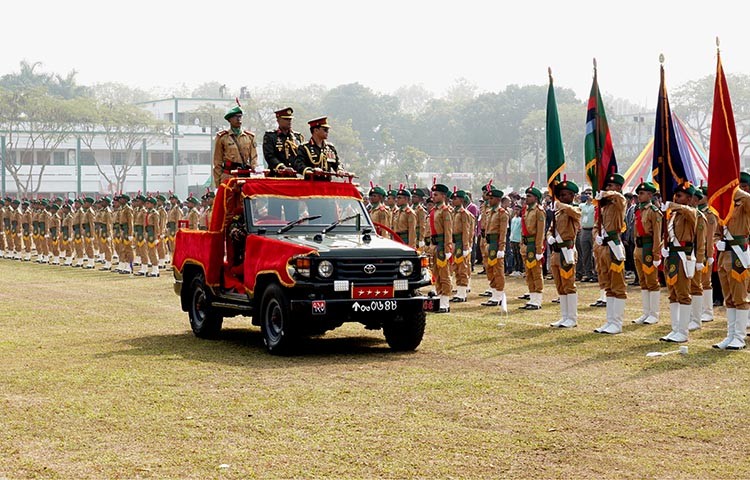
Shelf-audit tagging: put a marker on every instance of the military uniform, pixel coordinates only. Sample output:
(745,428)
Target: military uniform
(441,229)
(105,221)
(15,228)
(280,148)
(126,233)
(533,221)
(312,155)
(699,252)
(713,234)
(151,225)
(610,258)
(193,216)
(422,229)
(3,243)
(87,230)
(161,247)
(679,264)
(495,221)
(647,255)
(404,222)
(561,238)
(174,215)
(733,271)
(54,234)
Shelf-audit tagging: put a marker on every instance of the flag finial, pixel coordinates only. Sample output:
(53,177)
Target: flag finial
(717,42)
(594,62)
(661,58)
(549,72)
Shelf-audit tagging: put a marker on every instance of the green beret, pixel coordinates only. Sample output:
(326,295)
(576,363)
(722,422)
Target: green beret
(140,197)
(376,190)
(744,177)
(54,206)
(161,197)
(106,200)
(25,203)
(58,199)
(15,201)
(232,112)
(418,192)
(404,192)
(44,202)
(459,194)
(697,193)
(616,178)
(192,200)
(151,200)
(88,200)
(645,187)
(77,200)
(125,197)
(173,195)
(534,191)
(685,187)
(439,187)
(567,185)
(704,190)
(495,193)
(392,193)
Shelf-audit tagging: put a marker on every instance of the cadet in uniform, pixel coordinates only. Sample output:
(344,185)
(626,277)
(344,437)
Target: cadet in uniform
(610,262)
(87,230)
(105,232)
(54,234)
(66,233)
(441,229)
(43,220)
(647,254)
(317,155)
(161,248)
(208,204)
(151,227)
(234,148)
(15,228)
(495,224)
(404,219)
(561,238)
(463,239)
(3,243)
(699,252)
(139,232)
(173,218)
(533,221)
(680,268)
(193,216)
(733,271)
(379,213)
(126,234)
(25,221)
(712,235)
(422,229)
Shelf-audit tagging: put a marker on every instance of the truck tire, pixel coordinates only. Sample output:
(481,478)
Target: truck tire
(404,333)
(204,320)
(276,324)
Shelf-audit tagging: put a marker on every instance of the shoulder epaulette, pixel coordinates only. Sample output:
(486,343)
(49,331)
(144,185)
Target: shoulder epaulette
(222,133)
(249,133)
(270,132)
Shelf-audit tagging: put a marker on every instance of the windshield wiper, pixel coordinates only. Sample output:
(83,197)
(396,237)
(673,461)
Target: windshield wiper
(339,222)
(294,223)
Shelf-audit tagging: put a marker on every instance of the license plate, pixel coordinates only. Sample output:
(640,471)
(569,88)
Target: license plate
(367,292)
(375,306)
(319,307)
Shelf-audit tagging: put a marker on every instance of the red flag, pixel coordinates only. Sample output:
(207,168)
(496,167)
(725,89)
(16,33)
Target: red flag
(724,154)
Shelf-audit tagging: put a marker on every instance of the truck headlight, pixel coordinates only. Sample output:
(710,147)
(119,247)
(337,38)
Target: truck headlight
(406,268)
(325,269)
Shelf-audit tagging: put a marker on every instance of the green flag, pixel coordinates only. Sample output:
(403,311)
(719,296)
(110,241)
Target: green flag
(555,152)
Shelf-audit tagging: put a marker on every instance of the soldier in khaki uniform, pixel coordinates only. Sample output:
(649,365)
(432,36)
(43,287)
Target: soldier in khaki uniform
(733,271)
(174,215)
(234,148)
(610,263)
(404,219)
(66,233)
(561,238)
(3,243)
(139,233)
(713,234)
(150,226)
(77,212)
(647,255)
(33,212)
(441,229)
(126,234)
(208,205)
(379,213)
(87,230)
(533,221)
(193,216)
(16,229)
(54,234)
(483,219)
(25,220)
(463,239)
(104,219)
(161,247)
(699,252)
(42,220)
(422,229)
(680,264)
(495,221)
(116,235)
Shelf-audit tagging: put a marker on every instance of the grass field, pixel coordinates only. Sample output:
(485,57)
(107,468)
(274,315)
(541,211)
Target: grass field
(102,378)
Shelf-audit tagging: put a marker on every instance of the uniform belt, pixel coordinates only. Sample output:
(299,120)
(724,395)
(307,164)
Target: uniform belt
(687,248)
(588,228)
(492,237)
(437,238)
(741,241)
(529,240)
(644,241)
(457,237)
(402,234)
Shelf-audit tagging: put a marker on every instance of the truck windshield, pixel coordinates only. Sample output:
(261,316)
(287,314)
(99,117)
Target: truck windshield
(268,212)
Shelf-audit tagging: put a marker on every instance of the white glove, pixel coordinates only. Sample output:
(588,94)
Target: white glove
(665,206)
(657,263)
(710,261)
(721,245)
(599,240)
(699,267)
(551,240)
(466,253)
(664,252)
(539,256)
(501,254)
(598,195)
(421,244)
(130,238)
(448,255)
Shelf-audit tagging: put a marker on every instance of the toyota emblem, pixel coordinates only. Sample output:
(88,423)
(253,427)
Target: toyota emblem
(369,269)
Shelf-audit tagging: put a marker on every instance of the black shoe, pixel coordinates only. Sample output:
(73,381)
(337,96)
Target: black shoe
(529,306)
(483,272)
(152,274)
(598,303)
(490,303)
(634,284)
(718,304)
(444,310)
(457,300)
(485,294)
(557,300)
(524,297)
(139,274)
(104,269)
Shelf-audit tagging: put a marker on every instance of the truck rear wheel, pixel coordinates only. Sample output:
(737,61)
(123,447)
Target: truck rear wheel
(404,333)
(277,326)
(204,320)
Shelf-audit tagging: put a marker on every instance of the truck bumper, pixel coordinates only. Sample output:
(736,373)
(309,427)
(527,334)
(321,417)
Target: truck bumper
(359,310)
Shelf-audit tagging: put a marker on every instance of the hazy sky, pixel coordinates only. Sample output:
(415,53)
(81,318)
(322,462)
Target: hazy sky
(383,44)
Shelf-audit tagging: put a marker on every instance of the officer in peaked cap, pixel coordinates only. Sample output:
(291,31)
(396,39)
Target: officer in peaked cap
(280,146)
(317,155)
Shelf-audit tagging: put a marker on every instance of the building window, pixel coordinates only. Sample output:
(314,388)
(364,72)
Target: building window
(43,158)
(160,158)
(87,158)
(59,158)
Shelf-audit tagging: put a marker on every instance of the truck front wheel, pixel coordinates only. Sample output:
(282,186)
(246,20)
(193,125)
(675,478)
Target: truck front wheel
(404,332)
(277,326)
(204,320)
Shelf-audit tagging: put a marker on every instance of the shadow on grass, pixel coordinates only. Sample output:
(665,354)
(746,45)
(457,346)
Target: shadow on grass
(237,346)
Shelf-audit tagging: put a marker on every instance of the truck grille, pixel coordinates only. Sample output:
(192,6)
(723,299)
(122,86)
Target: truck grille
(386,270)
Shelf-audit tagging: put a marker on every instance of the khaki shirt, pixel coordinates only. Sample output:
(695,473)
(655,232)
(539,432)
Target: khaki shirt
(496,223)
(405,225)
(231,151)
(567,222)
(534,219)
(463,224)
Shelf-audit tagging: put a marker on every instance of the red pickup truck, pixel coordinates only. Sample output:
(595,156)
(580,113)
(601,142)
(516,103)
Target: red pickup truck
(300,257)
